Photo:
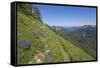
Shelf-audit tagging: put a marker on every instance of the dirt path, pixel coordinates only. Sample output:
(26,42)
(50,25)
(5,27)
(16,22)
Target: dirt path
(65,54)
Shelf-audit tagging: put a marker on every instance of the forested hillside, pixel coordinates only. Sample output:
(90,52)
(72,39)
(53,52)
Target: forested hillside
(83,37)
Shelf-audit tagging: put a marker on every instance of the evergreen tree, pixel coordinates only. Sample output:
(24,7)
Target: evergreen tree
(25,8)
(36,13)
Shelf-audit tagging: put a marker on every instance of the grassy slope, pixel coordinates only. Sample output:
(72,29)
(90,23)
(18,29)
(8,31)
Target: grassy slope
(75,53)
(28,28)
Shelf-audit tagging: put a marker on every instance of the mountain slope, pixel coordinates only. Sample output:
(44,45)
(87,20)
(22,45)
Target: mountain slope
(86,37)
(83,37)
(76,54)
(37,43)
(41,40)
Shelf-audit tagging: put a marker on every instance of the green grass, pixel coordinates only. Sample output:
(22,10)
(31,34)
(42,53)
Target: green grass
(76,53)
(29,28)
(26,30)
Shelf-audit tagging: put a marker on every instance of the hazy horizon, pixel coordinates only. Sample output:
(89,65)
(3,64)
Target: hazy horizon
(70,26)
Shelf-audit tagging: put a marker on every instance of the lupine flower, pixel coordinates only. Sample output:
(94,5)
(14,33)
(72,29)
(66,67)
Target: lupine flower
(25,43)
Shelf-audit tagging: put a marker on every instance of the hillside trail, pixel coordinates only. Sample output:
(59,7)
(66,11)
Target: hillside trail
(65,54)
(38,58)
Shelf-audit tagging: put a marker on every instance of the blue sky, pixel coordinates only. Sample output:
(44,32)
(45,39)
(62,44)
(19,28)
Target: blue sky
(67,15)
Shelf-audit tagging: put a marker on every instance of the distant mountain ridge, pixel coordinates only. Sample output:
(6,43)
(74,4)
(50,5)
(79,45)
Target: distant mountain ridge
(83,36)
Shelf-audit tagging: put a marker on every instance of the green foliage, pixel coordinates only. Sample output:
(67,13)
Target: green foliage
(31,31)
(42,38)
(76,53)
(24,8)
(36,13)
(88,44)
